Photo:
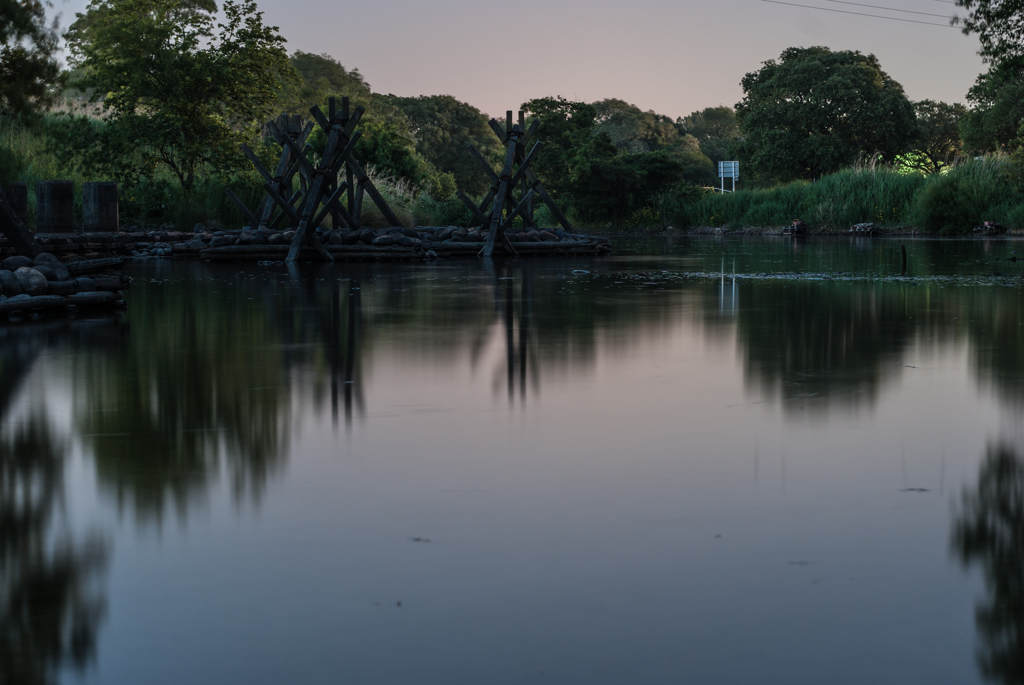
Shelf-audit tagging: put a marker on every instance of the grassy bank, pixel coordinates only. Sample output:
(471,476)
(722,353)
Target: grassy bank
(989,188)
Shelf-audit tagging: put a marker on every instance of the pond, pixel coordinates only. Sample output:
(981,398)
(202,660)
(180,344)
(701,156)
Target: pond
(591,470)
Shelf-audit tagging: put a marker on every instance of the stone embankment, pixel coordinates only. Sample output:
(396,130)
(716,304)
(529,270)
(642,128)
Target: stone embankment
(48,284)
(423,242)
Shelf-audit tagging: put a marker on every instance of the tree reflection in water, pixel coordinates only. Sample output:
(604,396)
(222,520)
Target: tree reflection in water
(189,391)
(989,531)
(50,602)
(832,343)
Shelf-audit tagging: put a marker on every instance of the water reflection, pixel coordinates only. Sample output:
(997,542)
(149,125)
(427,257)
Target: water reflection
(197,381)
(820,346)
(51,602)
(989,532)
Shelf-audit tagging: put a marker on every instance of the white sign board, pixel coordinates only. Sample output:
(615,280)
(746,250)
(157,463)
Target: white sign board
(729,170)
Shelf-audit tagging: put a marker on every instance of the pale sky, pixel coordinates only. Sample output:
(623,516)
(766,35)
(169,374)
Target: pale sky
(672,57)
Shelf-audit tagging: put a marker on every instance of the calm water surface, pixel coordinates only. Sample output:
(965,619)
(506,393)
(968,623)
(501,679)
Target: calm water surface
(585,471)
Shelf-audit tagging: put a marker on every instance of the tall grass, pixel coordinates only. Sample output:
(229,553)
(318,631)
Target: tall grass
(990,188)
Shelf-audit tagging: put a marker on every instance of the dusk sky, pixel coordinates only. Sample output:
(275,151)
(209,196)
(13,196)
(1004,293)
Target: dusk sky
(672,57)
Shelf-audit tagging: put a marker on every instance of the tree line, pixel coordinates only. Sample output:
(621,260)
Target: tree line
(164,93)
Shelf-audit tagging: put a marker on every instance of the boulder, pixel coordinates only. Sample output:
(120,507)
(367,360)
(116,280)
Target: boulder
(9,283)
(48,260)
(31,281)
(411,232)
(198,228)
(16,262)
(350,238)
(288,235)
(548,237)
(367,235)
(244,239)
(222,241)
(275,239)
(445,234)
(473,237)
(258,239)
(85,284)
(336,238)
(383,241)
(406,241)
(47,272)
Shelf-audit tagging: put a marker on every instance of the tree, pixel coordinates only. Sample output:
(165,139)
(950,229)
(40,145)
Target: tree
(329,72)
(715,129)
(696,167)
(443,127)
(815,111)
(566,129)
(938,136)
(999,25)
(997,108)
(176,92)
(583,168)
(28,66)
(632,129)
(28,69)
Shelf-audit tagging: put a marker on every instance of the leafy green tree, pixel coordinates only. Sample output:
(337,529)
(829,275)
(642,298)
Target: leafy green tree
(591,176)
(330,72)
(320,77)
(28,69)
(938,136)
(177,91)
(632,129)
(816,111)
(999,25)
(443,127)
(696,167)
(715,129)
(28,66)
(997,108)
(567,129)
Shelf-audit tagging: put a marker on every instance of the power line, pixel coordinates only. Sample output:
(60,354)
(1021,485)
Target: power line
(860,14)
(890,9)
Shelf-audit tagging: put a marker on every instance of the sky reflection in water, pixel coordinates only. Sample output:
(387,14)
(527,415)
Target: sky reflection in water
(537,472)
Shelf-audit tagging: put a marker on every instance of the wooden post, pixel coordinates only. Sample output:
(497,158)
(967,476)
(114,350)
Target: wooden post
(16,231)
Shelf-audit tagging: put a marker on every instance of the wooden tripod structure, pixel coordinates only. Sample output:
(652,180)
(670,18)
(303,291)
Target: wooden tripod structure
(319,194)
(502,205)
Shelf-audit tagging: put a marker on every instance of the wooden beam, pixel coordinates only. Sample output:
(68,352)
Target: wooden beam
(286,207)
(519,208)
(323,121)
(332,203)
(525,164)
(539,187)
(530,132)
(482,162)
(242,208)
(478,215)
(257,163)
(501,195)
(296,150)
(498,131)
